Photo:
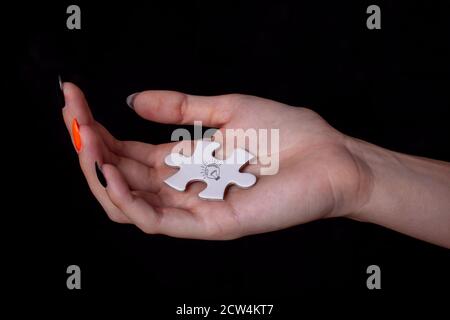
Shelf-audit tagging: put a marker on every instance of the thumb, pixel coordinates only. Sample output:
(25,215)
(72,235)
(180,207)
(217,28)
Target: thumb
(179,108)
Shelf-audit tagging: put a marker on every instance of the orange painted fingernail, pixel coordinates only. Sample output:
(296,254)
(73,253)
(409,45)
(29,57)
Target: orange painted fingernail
(76,135)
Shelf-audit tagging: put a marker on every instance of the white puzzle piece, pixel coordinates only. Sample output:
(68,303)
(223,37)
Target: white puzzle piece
(217,174)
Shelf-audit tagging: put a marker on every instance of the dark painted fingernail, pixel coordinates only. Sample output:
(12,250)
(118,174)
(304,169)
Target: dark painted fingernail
(100,175)
(130,100)
(60,93)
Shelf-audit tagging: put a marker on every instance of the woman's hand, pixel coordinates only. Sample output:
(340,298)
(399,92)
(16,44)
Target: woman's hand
(318,177)
(322,173)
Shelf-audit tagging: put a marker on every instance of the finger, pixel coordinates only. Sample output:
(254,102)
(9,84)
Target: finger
(179,108)
(139,151)
(139,176)
(129,157)
(138,211)
(170,221)
(90,154)
(76,112)
(145,153)
(76,106)
(137,160)
(110,141)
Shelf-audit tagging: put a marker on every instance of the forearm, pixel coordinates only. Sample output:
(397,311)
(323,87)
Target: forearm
(407,194)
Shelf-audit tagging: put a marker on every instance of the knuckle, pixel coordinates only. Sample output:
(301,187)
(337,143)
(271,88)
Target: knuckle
(117,218)
(146,227)
(115,215)
(306,112)
(116,200)
(183,107)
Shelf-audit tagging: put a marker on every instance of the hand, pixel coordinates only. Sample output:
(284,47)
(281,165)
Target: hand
(318,176)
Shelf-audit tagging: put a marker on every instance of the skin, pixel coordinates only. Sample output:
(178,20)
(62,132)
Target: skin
(323,173)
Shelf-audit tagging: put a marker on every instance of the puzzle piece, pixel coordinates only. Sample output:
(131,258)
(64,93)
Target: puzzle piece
(217,174)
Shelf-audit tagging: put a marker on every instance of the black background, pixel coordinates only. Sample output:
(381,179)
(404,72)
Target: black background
(388,86)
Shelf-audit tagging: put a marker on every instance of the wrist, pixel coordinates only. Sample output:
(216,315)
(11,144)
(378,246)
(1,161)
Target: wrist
(352,180)
(399,182)
(405,193)
(368,160)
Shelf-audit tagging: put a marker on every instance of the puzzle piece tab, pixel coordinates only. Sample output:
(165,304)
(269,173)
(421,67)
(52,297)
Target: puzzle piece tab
(217,174)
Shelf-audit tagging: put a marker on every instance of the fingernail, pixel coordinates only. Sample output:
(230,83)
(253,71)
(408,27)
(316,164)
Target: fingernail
(60,93)
(130,100)
(76,134)
(100,175)
(60,83)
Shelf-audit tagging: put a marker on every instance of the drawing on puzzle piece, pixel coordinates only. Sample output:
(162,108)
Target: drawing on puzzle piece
(217,174)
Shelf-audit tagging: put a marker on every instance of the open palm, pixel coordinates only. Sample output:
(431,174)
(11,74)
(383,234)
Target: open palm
(318,177)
